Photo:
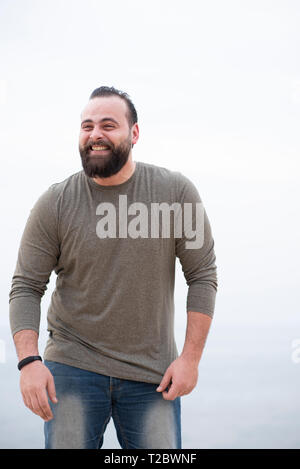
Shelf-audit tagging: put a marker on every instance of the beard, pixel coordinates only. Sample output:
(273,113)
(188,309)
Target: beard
(106,165)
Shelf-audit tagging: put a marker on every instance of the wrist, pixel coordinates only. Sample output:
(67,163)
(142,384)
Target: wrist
(27,360)
(26,342)
(191,357)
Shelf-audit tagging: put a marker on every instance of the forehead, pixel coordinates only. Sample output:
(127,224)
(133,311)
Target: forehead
(105,106)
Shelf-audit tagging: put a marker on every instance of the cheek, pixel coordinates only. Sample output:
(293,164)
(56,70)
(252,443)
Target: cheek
(83,139)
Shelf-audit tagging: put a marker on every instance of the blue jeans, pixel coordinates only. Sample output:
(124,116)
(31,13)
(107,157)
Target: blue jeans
(87,400)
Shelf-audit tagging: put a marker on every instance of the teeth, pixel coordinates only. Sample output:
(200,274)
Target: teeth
(98,148)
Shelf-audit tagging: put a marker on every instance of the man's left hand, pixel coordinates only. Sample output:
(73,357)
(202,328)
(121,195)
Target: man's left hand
(181,377)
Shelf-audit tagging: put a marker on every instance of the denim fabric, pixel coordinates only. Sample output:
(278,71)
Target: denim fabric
(87,400)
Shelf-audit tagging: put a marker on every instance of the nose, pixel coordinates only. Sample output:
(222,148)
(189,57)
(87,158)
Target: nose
(96,134)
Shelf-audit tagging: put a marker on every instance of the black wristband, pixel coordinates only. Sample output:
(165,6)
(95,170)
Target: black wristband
(27,360)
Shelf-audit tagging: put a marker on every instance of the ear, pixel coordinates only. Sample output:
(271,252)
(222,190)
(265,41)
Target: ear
(135,132)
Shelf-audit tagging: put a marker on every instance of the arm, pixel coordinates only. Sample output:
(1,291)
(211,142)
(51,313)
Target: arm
(198,265)
(198,325)
(26,343)
(37,257)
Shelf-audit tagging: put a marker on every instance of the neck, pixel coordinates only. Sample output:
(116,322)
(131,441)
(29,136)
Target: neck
(122,176)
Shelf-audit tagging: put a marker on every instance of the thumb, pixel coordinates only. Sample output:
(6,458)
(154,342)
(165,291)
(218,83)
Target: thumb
(165,381)
(51,390)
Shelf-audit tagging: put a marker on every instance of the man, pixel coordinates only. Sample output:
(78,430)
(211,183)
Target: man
(111,317)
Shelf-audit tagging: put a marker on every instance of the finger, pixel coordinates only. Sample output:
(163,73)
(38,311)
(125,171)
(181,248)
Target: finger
(166,381)
(171,394)
(26,400)
(34,405)
(51,390)
(37,408)
(44,406)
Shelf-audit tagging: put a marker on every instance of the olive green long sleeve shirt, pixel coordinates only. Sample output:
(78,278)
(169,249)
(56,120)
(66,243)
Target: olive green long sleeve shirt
(114,249)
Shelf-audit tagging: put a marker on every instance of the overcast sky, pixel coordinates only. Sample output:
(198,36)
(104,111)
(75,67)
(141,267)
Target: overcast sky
(217,89)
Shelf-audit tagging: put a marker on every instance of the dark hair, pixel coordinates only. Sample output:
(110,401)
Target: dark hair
(111,91)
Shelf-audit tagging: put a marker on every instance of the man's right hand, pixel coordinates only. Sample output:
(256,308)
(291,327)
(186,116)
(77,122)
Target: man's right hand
(35,381)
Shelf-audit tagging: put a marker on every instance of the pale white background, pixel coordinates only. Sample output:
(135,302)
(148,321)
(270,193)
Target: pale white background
(217,89)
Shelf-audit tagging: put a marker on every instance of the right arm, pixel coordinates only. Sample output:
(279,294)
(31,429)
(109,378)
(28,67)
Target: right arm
(37,257)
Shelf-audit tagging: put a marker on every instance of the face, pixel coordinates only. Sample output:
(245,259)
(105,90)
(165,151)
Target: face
(105,139)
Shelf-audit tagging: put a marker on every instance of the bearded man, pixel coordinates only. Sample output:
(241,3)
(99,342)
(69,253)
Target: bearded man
(111,350)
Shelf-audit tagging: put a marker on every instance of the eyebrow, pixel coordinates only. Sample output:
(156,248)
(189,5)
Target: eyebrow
(102,120)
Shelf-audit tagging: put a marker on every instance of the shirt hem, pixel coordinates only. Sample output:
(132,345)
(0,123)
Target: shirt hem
(84,366)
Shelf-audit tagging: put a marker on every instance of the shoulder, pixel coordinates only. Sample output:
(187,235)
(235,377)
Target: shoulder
(182,184)
(156,171)
(50,199)
(70,184)
(161,174)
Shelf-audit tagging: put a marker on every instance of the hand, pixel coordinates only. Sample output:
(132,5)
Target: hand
(35,381)
(181,376)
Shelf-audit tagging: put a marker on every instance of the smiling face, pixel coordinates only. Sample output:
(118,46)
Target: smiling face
(105,138)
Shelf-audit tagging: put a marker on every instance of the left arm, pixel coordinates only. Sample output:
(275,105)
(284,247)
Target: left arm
(198,265)
(183,372)
(198,325)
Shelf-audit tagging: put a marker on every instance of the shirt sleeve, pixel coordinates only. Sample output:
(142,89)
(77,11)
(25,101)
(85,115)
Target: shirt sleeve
(37,257)
(196,255)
